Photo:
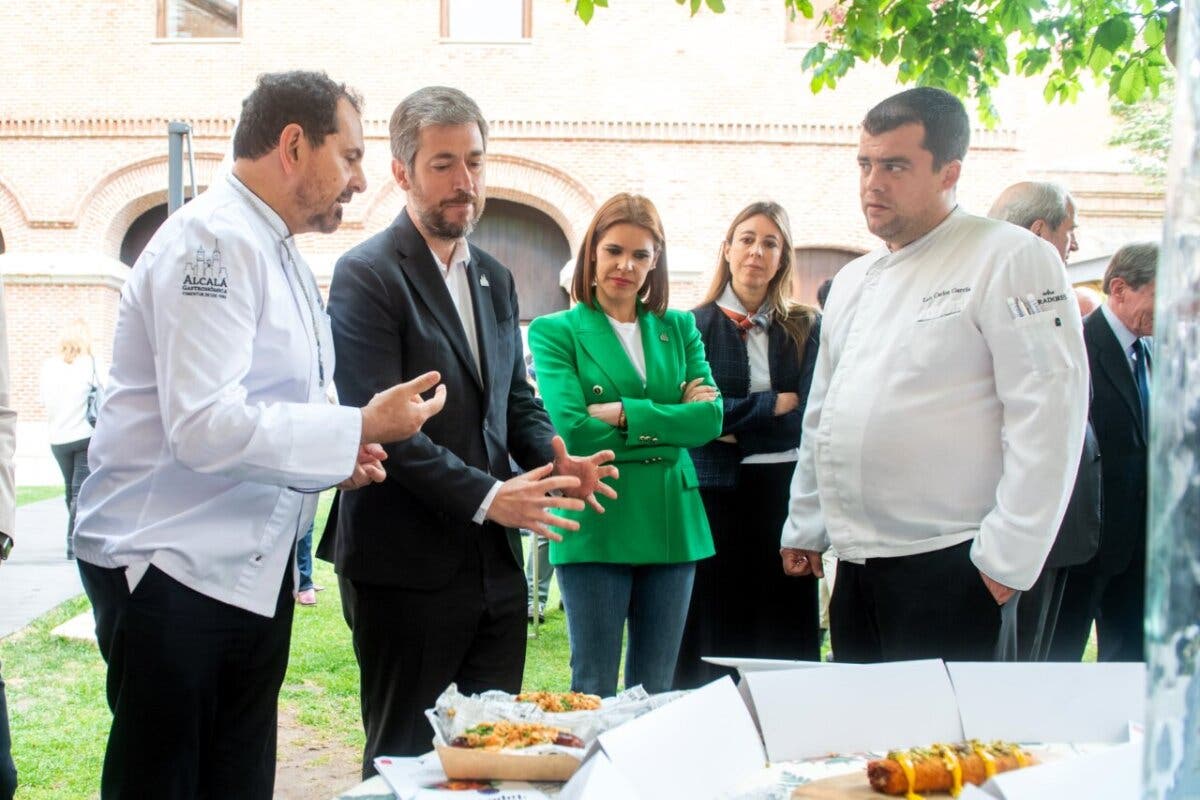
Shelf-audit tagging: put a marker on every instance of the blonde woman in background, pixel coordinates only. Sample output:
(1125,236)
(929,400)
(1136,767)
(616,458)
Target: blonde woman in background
(66,380)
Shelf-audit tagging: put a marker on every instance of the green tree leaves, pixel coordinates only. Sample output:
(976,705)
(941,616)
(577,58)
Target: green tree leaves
(966,46)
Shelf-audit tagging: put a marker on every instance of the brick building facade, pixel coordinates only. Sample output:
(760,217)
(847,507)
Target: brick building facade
(703,115)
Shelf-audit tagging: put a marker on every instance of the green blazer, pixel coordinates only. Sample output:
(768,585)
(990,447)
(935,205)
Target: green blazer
(658,517)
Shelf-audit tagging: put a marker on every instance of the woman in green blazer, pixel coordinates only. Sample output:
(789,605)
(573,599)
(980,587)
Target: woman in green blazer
(620,371)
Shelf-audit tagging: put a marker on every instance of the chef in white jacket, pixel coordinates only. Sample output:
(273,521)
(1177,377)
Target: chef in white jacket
(947,408)
(216,432)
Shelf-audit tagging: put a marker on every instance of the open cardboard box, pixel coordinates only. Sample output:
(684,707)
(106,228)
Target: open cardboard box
(463,763)
(706,744)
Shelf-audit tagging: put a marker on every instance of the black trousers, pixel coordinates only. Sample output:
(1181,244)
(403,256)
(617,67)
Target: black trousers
(931,605)
(1116,603)
(193,684)
(73,463)
(412,644)
(742,602)
(8,770)
(1037,615)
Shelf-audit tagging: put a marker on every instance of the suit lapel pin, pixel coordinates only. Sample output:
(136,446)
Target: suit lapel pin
(597,390)
(662,337)
(483,281)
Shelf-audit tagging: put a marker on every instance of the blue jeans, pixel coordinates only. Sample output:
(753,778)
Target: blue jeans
(539,548)
(304,560)
(600,598)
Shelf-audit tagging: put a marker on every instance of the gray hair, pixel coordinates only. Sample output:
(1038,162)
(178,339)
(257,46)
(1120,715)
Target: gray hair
(1136,264)
(1025,203)
(433,105)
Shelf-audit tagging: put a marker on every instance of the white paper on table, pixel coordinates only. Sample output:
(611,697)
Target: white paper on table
(848,708)
(1113,774)
(597,779)
(1049,702)
(744,665)
(697,746)
(416,778)
(972,792)
(748,665)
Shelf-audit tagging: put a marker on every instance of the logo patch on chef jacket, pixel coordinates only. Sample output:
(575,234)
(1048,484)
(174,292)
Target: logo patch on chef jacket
(943,303)
(204,275)
(1052,296)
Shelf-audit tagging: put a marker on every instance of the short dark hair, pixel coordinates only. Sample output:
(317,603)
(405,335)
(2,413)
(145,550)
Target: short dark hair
(1135,263)
(823,291)
(433,105)
(309,99)
(947,129)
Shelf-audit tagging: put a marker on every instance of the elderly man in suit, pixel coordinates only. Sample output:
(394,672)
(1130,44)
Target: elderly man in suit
(429,563)
(1047,210)
(1110,588)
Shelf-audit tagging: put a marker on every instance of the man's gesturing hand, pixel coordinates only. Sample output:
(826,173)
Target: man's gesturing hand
(368,468)
(522,502)
(801,562)
(589,470)
(398,413)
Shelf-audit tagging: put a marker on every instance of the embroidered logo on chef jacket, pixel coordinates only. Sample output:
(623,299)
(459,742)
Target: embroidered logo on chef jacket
(204,275)
(943,303)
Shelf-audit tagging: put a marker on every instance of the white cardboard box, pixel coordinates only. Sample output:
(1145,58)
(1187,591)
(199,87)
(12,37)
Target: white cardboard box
(697,746)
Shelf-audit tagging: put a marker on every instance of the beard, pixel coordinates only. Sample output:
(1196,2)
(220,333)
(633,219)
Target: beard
(323,216)
(433,216)
(326,221)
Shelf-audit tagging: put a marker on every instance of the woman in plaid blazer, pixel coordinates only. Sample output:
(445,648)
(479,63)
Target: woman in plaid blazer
(762,349)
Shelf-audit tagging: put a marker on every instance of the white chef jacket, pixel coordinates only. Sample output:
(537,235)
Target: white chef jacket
(936,416)
(216,409)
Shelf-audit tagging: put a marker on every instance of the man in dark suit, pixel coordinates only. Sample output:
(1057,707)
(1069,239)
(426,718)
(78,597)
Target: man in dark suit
(429,563)
(1111,587)
(1047,210)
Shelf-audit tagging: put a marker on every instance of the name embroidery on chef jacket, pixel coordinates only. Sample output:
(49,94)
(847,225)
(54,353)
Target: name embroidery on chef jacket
(204,275)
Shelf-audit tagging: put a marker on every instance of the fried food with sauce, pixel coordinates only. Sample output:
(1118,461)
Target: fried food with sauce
(561,701)
(943,767)
(514,736)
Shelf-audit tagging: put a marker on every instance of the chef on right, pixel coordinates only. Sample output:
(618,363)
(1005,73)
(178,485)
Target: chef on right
(947,408)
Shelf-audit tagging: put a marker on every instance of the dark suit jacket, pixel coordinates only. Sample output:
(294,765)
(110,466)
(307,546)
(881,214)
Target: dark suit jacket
(1079,535)
(751,417)
(393,320)
(1116,415)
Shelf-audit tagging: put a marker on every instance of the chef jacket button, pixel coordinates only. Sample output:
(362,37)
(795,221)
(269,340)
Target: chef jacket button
(257,558)
(597,390)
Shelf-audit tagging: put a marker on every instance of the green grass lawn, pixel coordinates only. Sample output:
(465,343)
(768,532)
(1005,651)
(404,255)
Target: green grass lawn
(56,687)
(32,494)
(60,720)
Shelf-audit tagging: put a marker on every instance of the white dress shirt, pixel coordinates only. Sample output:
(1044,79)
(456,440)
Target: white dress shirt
(936,416)
(458,284)
(758,353)
(1125,337)
(217,409)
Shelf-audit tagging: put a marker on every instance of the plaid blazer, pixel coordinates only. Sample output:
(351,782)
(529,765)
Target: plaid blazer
(751,416)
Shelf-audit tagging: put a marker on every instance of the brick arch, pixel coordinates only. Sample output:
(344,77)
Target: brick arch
(110,207)
(548,189)
(14,222)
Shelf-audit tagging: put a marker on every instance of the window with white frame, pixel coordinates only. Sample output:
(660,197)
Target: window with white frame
(486,20)
(199,19)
